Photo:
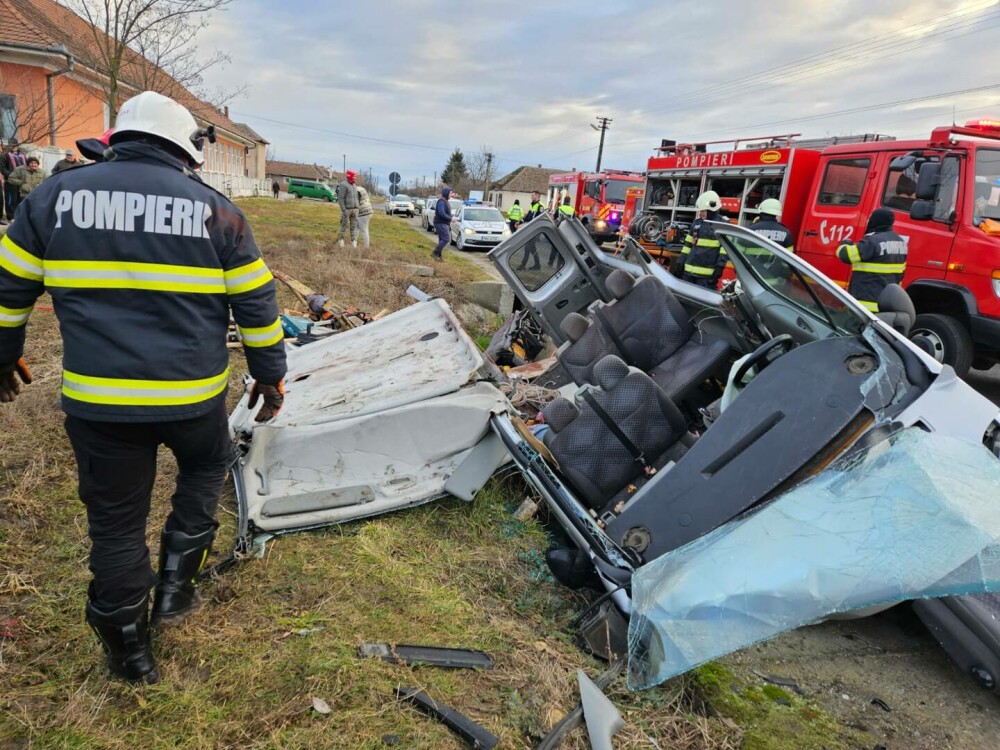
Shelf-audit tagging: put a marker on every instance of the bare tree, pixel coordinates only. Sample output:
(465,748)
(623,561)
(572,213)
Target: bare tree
(124,31)
(26,111)
(478,164)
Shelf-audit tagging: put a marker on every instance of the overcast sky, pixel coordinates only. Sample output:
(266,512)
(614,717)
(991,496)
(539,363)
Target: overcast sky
(397,84)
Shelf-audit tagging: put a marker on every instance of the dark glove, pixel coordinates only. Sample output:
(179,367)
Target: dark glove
(9,387)
(274,398)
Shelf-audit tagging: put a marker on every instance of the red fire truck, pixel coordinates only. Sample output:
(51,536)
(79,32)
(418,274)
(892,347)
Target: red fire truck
(945,191)
(598,198)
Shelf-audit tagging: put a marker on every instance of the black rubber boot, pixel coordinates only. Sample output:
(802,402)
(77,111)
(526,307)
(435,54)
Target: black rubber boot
(181,559)
(124,633)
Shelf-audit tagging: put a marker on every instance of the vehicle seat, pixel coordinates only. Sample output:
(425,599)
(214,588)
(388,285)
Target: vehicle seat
(591,458)
(587,344)
(652,329)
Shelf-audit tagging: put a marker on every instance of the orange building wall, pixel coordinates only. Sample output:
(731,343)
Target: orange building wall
(79,109)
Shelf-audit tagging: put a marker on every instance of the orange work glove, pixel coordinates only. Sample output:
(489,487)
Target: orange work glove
(9,387)
(274,398)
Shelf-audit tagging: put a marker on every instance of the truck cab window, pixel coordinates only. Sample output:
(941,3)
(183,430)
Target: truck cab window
(901,186)
(947,195)
(843,182)
(986,203)
(593,190)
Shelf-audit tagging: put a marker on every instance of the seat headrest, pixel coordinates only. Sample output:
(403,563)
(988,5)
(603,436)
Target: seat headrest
(620,283)
(559,413)
(895,299)
(574,326)
(610,371)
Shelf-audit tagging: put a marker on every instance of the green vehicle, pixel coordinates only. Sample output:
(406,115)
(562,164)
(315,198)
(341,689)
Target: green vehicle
(311,189)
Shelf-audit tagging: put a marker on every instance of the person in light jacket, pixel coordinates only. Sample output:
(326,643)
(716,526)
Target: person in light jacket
(364,214)
(347,199)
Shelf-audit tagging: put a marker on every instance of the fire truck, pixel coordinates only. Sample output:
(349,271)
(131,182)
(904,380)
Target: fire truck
(944,190)
(598,198)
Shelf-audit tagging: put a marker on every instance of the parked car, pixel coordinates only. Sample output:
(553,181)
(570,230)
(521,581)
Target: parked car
(427,215)
(840,466)
(400,204)
(419,204)
(478,226)
(311,189)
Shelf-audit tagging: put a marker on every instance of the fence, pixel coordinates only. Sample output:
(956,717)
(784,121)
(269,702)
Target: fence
(236,186)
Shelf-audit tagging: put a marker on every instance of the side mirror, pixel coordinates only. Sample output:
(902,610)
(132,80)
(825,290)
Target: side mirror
(903,162)
(928,181)
(922,210)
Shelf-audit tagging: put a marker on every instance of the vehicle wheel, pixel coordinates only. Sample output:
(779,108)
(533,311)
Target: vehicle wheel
(947,340)
(298,195)
(460,245)
(327,198)
(454,241)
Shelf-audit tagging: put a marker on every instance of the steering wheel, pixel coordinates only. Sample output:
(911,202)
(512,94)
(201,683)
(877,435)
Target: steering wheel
(782,344)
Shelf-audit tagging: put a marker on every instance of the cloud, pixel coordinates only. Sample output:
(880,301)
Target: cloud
(528,80)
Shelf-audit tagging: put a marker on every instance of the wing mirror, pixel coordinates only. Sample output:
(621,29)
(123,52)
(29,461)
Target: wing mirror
(922,210)
(928,181)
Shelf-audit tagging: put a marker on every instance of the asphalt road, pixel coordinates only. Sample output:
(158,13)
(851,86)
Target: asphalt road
(987,383)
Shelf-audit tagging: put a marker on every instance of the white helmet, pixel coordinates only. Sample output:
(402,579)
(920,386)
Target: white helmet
(771,206)
(708,201)
(155,114)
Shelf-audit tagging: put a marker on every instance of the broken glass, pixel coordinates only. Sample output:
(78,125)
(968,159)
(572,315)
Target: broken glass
(915,516)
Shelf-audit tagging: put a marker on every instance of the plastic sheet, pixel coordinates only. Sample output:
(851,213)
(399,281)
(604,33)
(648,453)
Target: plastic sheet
(915,516)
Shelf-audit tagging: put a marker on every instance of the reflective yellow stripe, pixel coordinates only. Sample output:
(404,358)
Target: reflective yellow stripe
(873,306)
(708,243)
(689,238)
(260,337)
(247,278)
(853,254)
(18,261)
(125,392)
(880,267)
(790,248)
(110,274)
(698,270)
(13,317)
(686,250)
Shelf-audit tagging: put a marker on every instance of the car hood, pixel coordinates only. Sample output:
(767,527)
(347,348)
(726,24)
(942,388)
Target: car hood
(487,225)
(379,418)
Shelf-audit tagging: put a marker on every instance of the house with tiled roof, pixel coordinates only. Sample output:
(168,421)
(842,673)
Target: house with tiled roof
(52,93)
(282,171)
(519,185)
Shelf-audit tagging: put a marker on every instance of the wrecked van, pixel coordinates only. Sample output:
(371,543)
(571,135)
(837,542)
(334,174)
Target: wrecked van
(725,465)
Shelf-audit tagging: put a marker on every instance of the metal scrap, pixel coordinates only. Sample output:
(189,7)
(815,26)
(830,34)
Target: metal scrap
(430,656)
(477,737)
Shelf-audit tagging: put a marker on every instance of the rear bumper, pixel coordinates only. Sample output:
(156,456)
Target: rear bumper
(985,331)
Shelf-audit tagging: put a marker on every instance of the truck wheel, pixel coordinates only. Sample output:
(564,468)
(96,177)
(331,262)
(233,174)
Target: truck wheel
(947,340)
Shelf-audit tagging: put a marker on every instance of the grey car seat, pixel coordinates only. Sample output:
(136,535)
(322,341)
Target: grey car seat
(594,460)
(652,329)
(586,344)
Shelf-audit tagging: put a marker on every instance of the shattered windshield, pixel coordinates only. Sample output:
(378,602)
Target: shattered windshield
(911,517)
(796,287)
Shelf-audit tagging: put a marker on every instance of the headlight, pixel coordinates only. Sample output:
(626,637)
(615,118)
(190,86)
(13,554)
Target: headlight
(470,231)
(600,224)
(506,232)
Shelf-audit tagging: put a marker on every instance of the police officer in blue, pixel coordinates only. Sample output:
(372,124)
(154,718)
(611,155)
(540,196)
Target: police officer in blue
(144,263)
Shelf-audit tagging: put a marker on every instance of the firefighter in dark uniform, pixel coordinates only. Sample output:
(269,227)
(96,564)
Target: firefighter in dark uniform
(703,259)
(878,260)
(144,263)
(767,224)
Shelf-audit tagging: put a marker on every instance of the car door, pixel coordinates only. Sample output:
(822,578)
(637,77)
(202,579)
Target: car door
(837,213)
(537,262)
(456,225)
(928,242)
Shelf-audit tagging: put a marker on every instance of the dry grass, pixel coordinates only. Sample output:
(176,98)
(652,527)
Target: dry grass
(240,674)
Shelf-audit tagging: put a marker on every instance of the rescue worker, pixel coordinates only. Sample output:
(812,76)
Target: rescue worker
(767,224)
(347,199)
(144,263)
(703,259)
(514,215)
(536,208)
(565,209)
(878,260)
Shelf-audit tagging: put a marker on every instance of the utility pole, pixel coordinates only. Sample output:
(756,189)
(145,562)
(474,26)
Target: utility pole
(489,172)
(345,155)
(604,124)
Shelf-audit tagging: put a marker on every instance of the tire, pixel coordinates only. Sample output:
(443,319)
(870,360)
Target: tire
(298,195)
(949,341)
(327,198)
(454,242)
(459,245)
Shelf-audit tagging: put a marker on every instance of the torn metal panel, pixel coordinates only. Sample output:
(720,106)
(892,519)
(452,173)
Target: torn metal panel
(376,419)
(477,737)
(912,517)
(603,719)
(430,656)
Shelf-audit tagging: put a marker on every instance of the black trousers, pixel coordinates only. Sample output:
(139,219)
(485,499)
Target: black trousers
(116,463)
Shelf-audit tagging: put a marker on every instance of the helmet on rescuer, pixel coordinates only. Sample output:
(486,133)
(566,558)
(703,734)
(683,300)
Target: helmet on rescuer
(771,206)
(708,201)
(154,114)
